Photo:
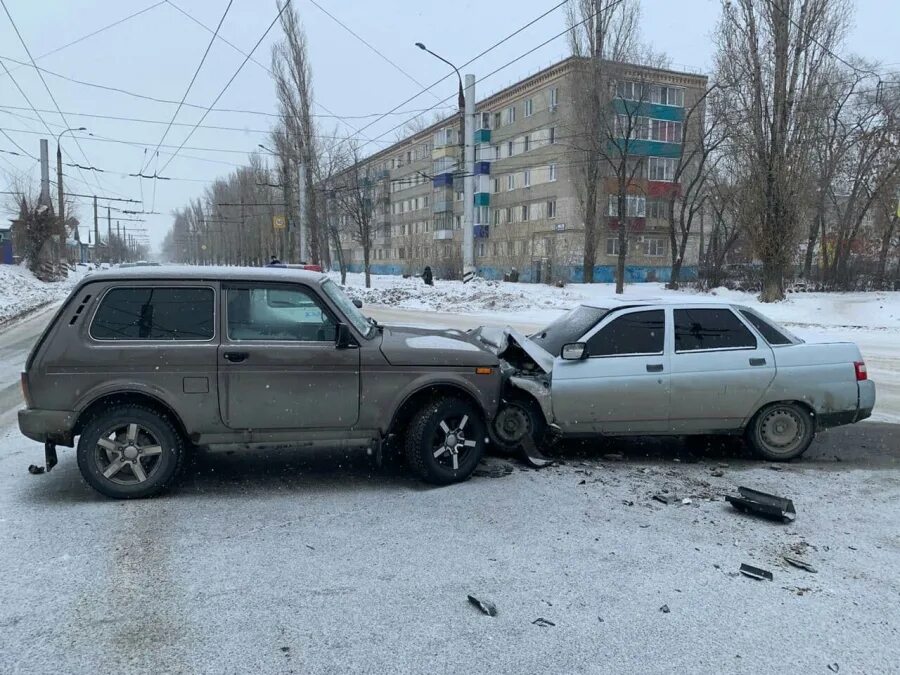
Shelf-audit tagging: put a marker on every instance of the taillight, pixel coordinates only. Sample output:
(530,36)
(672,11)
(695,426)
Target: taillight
(26,393)
(861,373)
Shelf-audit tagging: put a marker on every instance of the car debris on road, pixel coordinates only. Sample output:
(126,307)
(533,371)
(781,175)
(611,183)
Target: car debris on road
(485,606)
(763,504)
(802,564)
(542,622)
(756,572)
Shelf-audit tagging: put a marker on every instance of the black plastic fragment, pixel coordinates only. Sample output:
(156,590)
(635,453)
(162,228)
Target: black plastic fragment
(802,564)
(542,622)
(756,572)
(531,455)
(485,606)
(763,504)
(666,499)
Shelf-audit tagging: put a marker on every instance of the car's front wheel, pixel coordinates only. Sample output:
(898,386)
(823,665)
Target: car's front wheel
(781,431)
(445,441)
(129,452)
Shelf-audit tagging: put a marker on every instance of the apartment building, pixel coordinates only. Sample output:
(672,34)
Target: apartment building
(526,183)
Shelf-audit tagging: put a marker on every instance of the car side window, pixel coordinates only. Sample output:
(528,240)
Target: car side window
(630,334)
(710,328)
(771,334)
(283,314)
(154,313)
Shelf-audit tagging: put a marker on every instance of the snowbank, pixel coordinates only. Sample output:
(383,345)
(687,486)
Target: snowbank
(874,310)
(21,292)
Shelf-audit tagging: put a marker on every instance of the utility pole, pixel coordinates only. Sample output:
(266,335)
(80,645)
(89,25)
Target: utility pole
(59,190)
(108,235)
(96,255)
(301,200)
(469,183)
(45,174)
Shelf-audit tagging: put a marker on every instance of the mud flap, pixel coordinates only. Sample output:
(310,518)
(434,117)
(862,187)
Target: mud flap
(50,455)
(530,454)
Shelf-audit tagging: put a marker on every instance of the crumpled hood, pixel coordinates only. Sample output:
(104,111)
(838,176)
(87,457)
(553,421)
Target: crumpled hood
(498,341)
(407,346)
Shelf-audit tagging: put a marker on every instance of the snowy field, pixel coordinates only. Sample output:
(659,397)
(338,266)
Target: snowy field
(871,320)
(21,292)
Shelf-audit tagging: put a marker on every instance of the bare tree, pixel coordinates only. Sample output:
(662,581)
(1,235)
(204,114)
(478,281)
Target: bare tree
(37,233)
(355,192)
(771,58)
(293,82)
(696,162)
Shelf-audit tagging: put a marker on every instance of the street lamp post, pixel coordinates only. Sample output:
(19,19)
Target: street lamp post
(59,175)
(466,104)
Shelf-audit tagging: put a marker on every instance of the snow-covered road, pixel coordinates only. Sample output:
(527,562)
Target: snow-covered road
(283,561)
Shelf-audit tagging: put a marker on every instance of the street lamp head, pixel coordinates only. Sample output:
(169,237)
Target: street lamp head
(81,129)
(420,45)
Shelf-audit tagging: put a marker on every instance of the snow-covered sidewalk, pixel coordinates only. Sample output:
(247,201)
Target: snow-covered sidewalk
(21,292)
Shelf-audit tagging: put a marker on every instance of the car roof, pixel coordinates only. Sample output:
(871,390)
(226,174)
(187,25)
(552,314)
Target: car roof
(619,303)
(204,273)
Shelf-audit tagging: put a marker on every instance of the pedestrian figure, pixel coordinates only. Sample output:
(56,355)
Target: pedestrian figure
(274,262)
(427,277)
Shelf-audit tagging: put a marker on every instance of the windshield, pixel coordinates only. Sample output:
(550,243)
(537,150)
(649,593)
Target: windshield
(568,328)
(348,309)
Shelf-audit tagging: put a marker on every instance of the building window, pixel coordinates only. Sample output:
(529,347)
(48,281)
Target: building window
(485,120)
(480,249)
(654,247)
(509,115)
(527,177)
(459,195)
(482,214)
(509,148)
(667,132)
(661,168)
(529,107)
(496,216)
(401,253)
(510,181)
(524,212)
(635,206)
(510,247)
(496,182)
(551,208)
(496,152)
(552,137)
(457,222)
(554,98)
(508,214)
(657,208)
(634,128)
(612,246)
(631,91)
(526,143)
(496,120)
(663,95)
(552,172)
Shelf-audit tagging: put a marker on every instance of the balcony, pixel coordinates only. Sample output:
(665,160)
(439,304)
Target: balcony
(482,168)
(443,180)
(443,205)
(482,231)
(443,234)
(482,199)
(483,136)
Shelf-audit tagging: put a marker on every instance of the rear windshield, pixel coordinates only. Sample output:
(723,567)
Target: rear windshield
(773,334)
(148,313)
(570,327)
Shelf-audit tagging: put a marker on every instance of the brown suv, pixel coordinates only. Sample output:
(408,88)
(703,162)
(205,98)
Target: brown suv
(143,364)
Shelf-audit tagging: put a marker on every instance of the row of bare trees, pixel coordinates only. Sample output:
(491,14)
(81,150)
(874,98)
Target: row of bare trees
(791,148)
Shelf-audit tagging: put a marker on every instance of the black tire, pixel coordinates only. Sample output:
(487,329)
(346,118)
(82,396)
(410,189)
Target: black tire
(106,444)
(513,413)
(781,431)
(426,434)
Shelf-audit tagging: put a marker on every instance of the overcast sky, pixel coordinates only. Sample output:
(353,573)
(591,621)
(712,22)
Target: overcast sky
(155,54)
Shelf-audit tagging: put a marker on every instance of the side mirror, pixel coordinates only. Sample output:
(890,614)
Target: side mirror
(342,337)
(357,304)
(574,351)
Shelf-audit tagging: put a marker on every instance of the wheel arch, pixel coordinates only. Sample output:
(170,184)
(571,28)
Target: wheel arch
(805,405)
(416,399)
(129,398)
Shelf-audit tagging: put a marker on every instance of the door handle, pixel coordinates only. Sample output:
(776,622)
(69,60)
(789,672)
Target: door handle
(236,357)
(654,367)
(757,362)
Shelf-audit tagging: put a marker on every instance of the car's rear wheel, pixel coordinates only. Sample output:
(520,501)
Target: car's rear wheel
(781,431)
(129,452)
(445,441)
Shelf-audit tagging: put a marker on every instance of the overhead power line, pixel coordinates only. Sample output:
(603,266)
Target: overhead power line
(369,45)
(97,32)
(227,84)
(44,82)
(193,79)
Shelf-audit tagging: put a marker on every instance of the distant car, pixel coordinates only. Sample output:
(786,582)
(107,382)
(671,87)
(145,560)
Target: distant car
(654,368)
(141,365)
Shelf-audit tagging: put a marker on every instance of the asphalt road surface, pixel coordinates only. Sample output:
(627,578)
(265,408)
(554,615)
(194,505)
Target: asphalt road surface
(281,561)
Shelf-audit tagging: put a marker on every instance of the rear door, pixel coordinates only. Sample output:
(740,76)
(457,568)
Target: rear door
(278,364)
(623,385)
(720,369)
